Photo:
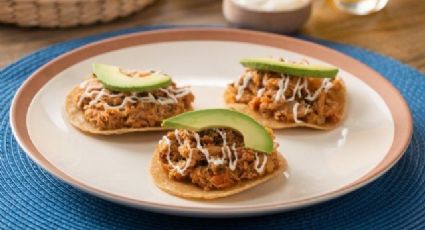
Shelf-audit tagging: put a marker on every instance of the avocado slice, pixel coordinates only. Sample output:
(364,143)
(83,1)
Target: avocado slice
(255,135)
(273,65)
(114,79)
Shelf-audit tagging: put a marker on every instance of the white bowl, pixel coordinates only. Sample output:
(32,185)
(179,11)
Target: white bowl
(280,21)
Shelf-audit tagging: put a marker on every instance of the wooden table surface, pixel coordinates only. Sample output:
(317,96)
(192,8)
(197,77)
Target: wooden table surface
(397,31)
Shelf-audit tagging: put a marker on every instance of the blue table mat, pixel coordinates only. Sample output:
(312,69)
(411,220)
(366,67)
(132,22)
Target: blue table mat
(30,198)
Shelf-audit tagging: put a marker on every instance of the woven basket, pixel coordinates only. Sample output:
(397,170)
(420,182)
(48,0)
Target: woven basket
(66,13)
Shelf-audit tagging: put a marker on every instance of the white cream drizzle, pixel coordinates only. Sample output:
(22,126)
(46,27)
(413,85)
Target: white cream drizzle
(96,89)
(283,83)
(84,84)
(171,98)
(232,162)
(176,135)
(296,89)
(283,86)
(307,109)
(215,161)
(230,153)
(295,112)
(305,87)
(265,78)
(325,86)
(231,156)
(260,92)
(257,162)
(241,88)
(179,169)
(121,106)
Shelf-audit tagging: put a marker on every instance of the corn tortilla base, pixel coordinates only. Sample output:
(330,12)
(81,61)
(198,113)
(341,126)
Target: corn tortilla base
(188,190)
(274,124)
(76,117)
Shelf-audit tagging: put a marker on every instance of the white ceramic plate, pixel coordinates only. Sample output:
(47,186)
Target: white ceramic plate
(322,164)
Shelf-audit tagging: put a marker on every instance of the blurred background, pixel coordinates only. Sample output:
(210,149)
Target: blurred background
(396,30)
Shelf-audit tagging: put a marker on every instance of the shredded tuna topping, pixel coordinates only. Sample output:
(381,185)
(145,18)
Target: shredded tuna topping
(108,110)
(289,99)
(213,158)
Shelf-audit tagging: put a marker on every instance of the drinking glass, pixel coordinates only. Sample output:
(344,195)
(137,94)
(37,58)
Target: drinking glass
(360,7)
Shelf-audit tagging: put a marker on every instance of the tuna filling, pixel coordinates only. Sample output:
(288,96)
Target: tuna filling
(108,110)
(290,99)
(212,159)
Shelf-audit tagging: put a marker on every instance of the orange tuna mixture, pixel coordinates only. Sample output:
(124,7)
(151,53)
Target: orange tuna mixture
(108,110)
(290,99)
(213,159)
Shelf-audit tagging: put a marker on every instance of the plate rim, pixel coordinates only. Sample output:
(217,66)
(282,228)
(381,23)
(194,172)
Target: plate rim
(400,112)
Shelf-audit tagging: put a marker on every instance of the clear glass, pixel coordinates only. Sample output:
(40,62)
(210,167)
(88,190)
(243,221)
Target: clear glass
(360,7)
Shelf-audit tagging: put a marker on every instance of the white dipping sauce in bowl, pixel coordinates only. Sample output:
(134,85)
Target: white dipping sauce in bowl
(282,16)
(272,5)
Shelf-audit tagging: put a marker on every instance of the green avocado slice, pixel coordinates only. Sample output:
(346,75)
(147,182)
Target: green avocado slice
(255,135)
(114,79)
(273,65)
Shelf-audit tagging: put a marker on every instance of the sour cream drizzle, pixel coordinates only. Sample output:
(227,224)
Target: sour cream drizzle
(232,156)
(84,84)
(241,88)
(325,86)
(230,153)
(283,86)
(304,86)
(257,162)
(176,135)
(296,89)
(179,169)
(307,109)
(295,112)
(93,88)
(215,161)
(260,92)
(283,83)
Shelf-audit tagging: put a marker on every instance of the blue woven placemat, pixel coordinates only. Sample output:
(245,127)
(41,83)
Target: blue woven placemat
(30,198)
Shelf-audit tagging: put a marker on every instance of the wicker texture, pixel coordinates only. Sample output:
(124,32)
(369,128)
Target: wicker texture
(66,13)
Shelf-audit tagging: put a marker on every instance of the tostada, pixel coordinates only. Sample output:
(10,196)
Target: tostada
(214,153)
(116,101)
(282,94)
